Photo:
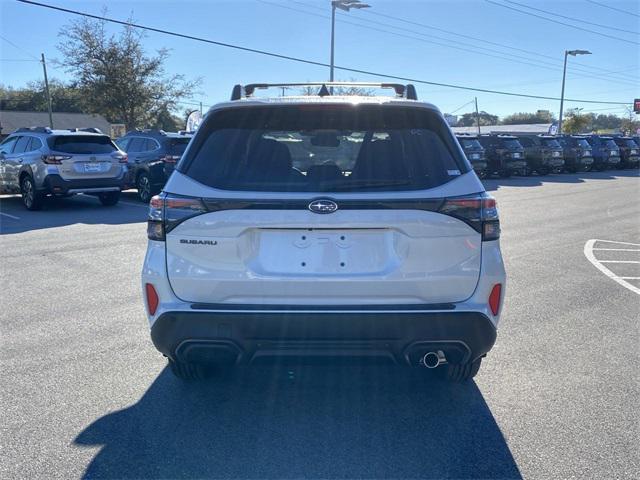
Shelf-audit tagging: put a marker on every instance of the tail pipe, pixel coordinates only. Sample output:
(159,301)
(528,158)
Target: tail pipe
(433,359)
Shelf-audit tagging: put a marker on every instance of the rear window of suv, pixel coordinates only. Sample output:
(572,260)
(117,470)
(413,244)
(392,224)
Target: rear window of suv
(177,146)
(82,144)
(324,148)
(470,143)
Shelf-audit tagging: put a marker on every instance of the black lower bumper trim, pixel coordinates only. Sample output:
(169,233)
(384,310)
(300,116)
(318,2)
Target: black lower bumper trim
(54,183)
(248,337)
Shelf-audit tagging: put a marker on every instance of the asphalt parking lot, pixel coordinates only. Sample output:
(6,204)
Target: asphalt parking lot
(85,394)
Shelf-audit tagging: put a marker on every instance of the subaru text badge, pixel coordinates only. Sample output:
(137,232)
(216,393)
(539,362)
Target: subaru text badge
(323,206)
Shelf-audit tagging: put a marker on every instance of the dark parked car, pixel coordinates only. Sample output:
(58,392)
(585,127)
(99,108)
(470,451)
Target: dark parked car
(152,156)
(474,152)
(543,153)
(578,154)
(606,153)
(504,154)
(629,152)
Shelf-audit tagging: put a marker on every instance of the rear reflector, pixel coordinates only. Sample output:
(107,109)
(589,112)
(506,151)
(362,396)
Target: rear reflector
(152,298)
(494,298)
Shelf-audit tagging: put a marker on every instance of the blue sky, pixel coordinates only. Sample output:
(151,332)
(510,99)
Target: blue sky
(377,43)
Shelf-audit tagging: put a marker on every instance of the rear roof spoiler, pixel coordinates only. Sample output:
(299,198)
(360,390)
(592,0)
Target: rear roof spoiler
(402,91)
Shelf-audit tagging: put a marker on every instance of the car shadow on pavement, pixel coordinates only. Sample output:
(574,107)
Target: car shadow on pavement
(58,212)
(306,422)
(492,184)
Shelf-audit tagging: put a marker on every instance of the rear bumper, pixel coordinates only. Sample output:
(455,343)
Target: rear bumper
(55,184)
(246,336)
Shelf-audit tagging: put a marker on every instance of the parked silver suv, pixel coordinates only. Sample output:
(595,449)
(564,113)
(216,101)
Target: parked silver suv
(38,161)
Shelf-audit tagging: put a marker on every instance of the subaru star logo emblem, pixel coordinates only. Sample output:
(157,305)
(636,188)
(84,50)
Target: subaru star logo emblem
(323,206)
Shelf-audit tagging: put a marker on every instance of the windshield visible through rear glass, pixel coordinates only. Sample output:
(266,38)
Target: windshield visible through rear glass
(511,144)
(324,148)
(551,143)
(83,144)
(178,146)
(467,144)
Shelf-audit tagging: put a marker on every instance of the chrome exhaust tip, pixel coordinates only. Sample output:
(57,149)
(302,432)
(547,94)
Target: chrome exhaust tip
(433,359)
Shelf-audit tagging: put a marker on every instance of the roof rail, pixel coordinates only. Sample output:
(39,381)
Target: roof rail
(34,130)
(87,129)
(402,91)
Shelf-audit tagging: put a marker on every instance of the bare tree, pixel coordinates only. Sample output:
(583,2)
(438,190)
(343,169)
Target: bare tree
(117,77)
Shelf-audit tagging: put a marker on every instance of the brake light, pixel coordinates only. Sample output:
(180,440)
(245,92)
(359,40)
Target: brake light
(167,211)
(479,211)
(494,298)
(152,298)
(122,158)
(54,159)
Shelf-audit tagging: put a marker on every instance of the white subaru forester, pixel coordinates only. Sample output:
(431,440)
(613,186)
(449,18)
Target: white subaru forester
(328,228)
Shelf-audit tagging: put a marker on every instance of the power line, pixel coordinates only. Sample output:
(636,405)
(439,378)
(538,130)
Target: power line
(17,60)
(560,23)
(477,50)
(571,18)
(476,39)
(626,12)
(19,48)
(306,61)
(461,107)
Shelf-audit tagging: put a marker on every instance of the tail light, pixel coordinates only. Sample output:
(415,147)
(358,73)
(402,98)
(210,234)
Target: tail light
(479,211)
(121,157)
(55,159)
(166,211)
(152,298)
(171,158)
(494,298)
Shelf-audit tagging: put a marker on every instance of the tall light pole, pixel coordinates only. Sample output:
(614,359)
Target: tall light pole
(345,5)
(564,75)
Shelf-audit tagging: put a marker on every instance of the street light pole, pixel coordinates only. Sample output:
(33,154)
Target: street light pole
(345,5)
(564,76)
(333,37)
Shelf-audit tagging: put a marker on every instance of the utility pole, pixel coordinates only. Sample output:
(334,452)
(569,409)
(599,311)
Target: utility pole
(200,108)
(46,86)
(477,115)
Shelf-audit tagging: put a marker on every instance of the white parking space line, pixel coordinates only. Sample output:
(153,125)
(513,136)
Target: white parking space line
(589,253)
(617,249)
(10,216)
(618,261)
(613,241)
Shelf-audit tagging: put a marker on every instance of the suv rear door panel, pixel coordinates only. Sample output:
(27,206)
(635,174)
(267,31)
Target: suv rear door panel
(348,257)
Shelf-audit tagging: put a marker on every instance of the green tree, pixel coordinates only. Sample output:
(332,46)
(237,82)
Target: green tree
(469,119)
(575,122)
(117,78)
(33,98)
(541,116)
(605,122)
(630,125)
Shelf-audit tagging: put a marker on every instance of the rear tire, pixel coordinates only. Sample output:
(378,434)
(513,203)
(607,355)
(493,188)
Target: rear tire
(461,372)
(109,199)
(188,371)
(145,189)
(31,198)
